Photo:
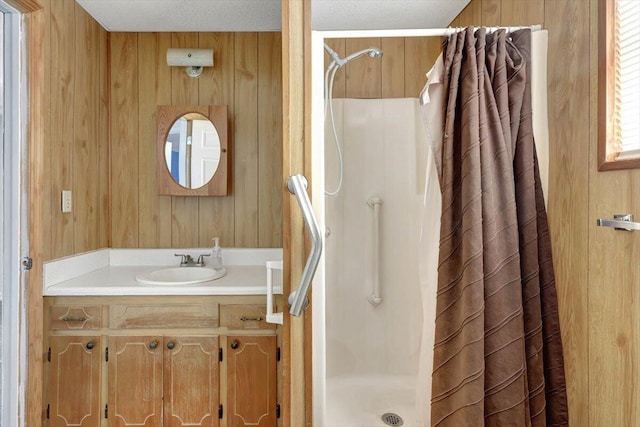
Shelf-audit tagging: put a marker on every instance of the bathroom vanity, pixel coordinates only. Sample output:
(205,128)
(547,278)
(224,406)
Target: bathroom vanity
(120,353)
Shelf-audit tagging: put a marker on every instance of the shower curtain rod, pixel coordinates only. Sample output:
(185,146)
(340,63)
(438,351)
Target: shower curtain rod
(427,32)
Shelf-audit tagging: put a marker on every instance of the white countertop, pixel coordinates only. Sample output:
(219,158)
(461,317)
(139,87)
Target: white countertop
(105,272)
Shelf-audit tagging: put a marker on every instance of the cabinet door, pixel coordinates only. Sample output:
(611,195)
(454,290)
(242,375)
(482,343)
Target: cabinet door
(135,381)
(251,381)
(74,381)
(191,378)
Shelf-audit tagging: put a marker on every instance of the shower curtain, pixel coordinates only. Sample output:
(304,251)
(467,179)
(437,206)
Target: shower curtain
(497,357)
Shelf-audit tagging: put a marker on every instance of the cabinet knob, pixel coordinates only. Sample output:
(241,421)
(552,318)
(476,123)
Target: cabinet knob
(171,345)
(90,345)
(153,345)
(235,344)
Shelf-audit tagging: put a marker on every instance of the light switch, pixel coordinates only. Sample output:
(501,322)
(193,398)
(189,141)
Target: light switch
(66,201)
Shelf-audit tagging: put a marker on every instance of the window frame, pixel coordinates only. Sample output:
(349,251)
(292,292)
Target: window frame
(606,90)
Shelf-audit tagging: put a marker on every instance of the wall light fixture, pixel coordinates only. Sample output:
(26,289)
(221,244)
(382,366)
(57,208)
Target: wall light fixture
(192,59)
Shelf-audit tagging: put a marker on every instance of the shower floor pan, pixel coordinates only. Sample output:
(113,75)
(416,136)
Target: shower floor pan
(361,401)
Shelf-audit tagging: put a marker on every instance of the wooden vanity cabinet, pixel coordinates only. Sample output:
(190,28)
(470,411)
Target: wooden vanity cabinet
(191,378)
(128,366)
(152,376)
(74,381)
(135,381)
(251,381)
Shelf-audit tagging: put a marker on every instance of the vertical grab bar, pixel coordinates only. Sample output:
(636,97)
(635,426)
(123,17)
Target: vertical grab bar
(297,185)
(375,297)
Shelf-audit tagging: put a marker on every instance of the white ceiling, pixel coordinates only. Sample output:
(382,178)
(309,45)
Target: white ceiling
(264,15)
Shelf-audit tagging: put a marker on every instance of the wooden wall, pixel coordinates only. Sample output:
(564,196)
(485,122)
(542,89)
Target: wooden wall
(400,73)
(75,155)
(247,77)
(111,168)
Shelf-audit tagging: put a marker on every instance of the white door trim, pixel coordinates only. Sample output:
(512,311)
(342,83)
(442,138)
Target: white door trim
(13,219)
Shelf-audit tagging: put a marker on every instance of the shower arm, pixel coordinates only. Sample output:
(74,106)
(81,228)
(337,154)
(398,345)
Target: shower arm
(338,62)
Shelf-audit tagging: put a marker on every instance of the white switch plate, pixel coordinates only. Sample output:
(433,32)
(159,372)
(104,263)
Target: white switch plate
(67,203)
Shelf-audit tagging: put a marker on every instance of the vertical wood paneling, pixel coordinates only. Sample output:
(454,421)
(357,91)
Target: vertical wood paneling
(270,140)
(491,12)
(420,55)
(75,87)
(522,12)
(44,182)
(363,76)
(568,92)
(85,142)
(401,72)
(154,85)
(233,81)
(216,214)
(184,91)
(245,176)
(102,136)
(392,63)
(124,136)
(470,15)
(62,121)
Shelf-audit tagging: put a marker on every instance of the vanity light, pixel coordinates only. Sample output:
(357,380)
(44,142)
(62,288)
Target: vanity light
(192,59)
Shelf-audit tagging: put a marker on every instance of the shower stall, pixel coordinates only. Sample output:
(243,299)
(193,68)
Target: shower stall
(374,310)
(377,198)
(369,180)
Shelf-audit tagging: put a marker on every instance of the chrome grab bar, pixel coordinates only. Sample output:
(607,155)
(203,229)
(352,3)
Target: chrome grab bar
(619,222)
(297,185)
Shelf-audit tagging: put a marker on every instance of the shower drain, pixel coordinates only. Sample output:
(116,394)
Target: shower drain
(392,419)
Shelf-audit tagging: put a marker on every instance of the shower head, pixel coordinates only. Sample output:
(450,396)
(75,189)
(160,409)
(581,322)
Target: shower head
(372,52)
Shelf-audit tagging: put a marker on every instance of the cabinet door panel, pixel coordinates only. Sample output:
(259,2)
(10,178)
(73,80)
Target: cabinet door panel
(191,378)
(251,381)
(74,381)
(135,381)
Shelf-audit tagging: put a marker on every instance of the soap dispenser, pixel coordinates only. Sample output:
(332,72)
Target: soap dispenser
(216,254)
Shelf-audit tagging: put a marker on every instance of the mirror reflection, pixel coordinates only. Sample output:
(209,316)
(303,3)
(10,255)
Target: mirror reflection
(192,150)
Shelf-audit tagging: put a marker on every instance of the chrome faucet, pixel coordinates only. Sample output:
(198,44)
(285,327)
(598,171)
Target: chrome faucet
(188,261)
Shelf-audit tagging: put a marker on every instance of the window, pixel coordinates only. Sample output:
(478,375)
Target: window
(619,85)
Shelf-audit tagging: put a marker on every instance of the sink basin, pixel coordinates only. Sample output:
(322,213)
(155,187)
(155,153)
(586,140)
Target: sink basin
(180,276)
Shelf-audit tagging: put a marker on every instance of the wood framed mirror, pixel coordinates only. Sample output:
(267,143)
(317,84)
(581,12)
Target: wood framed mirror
(192,150)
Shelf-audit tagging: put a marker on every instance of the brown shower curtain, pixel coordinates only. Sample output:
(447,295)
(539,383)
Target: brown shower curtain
(498,352)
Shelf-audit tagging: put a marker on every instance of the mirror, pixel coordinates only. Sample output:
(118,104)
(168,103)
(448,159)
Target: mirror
(192,150)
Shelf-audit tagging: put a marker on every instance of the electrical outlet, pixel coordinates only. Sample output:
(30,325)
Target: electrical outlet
(67,203)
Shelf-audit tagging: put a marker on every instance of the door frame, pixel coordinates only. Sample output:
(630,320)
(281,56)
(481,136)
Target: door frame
(296,156)
(32,23)
(13,218)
